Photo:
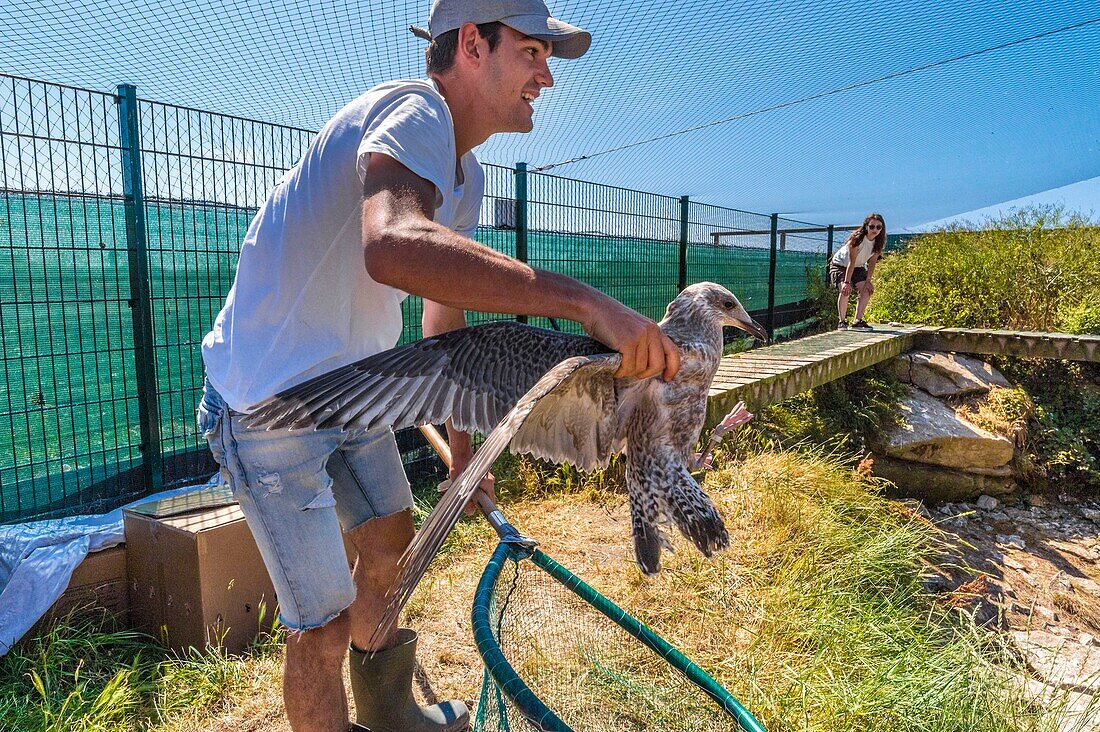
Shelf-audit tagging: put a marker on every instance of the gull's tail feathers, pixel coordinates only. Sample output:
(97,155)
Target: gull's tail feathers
(694,514)
(649,540)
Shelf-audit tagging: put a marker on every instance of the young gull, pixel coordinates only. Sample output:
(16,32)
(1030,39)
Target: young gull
(551,395)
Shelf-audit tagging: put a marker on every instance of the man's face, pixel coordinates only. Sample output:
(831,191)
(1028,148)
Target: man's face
(515,74)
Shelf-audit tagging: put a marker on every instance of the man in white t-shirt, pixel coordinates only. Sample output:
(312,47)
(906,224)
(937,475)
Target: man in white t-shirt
(383,203)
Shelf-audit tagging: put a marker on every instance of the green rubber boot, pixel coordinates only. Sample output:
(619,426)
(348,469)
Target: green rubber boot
(381,685)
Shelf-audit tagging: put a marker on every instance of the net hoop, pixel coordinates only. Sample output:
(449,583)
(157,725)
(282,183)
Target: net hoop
(524,699)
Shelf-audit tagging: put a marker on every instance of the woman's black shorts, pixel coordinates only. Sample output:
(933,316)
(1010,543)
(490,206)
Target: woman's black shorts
(836,274)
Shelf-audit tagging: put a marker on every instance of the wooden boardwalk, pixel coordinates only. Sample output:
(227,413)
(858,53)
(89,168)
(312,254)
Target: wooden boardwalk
(771,374)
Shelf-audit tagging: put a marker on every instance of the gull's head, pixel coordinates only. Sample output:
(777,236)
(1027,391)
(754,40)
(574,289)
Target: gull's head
(714,302)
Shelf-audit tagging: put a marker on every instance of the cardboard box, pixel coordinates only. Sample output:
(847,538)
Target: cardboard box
(99,581)
(195,574)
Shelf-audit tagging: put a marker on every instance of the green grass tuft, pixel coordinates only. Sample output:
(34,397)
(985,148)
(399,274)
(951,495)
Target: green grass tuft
(1036,269)
(84,673)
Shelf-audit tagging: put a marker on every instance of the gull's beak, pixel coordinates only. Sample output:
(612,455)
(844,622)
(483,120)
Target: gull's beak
(745,322)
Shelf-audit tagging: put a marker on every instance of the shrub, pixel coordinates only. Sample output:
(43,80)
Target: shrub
(1036,269)
(1064,428)
(1079,317)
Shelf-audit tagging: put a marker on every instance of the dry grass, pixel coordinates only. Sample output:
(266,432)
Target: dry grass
(815,618)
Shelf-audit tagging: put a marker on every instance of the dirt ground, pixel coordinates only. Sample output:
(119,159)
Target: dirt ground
(592,540)
(1037,581)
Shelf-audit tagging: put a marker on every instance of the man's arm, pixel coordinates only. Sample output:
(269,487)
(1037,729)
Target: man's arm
(440,319)
(404,248)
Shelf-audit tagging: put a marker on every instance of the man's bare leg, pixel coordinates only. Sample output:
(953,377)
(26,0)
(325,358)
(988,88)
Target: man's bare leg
(313,683)
(380,543)
(313,678)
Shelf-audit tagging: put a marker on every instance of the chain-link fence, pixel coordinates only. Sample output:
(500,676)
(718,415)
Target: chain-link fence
(120,223)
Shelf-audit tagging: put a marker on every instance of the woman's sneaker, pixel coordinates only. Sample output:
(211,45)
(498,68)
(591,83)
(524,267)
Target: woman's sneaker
(843,325)
(861,325)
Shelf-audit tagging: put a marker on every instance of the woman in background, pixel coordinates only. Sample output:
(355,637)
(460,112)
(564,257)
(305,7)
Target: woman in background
(853,264)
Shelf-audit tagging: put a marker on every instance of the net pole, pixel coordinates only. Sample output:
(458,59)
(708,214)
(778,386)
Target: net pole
(771,277)
(521,219)
(684,204)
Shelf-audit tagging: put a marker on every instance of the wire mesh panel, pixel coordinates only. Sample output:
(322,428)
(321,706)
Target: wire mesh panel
(732,248)
(204,177)
(800,260)
(67,401)
(622,242)
(556,662)
(121,220)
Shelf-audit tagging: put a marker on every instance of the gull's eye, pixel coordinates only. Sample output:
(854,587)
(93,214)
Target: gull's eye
(728,304)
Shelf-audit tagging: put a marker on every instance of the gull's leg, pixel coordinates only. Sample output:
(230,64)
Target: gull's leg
(738,416)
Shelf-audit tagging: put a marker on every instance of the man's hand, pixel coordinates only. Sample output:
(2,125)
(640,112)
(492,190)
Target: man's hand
(865,287)
(845,289)
(646,351)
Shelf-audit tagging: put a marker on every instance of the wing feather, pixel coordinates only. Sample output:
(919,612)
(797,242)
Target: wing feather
(576,423)
(472,375)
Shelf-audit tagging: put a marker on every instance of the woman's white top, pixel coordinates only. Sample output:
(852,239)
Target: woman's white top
(863,253)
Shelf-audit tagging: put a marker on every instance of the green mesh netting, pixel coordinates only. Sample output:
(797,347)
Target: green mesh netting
(560,659)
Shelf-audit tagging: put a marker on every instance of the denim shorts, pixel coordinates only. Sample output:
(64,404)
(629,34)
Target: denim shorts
(299,491)
(836,274)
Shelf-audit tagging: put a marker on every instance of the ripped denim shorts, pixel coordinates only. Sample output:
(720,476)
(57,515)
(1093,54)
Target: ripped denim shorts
(299,491)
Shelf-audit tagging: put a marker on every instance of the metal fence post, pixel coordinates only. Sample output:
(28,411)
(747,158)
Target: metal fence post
(771,277)
(683,242)
(829,254)
(140,305)
(521,218)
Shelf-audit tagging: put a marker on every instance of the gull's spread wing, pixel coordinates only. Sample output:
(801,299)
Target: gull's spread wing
(471,375)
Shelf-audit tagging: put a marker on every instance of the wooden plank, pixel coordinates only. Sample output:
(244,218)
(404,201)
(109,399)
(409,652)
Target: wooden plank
(1068,346)
(751,368)
(787,369)
(782,361)
(770,374)
(770,363)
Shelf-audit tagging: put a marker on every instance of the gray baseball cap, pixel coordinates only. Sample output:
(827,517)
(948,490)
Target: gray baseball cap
(529,17)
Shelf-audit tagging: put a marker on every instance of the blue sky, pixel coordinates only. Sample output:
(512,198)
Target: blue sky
(921,146)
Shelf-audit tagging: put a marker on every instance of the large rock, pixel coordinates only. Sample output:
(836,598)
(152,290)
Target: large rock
(934,434)
(1075,711)
(947,374)
(1060,661)
(938,484)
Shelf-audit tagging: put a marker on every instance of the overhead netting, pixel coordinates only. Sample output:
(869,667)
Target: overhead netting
(818,110)
(560,656)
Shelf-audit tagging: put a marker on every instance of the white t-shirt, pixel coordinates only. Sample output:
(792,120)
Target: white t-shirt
(863,253)
(302,302)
